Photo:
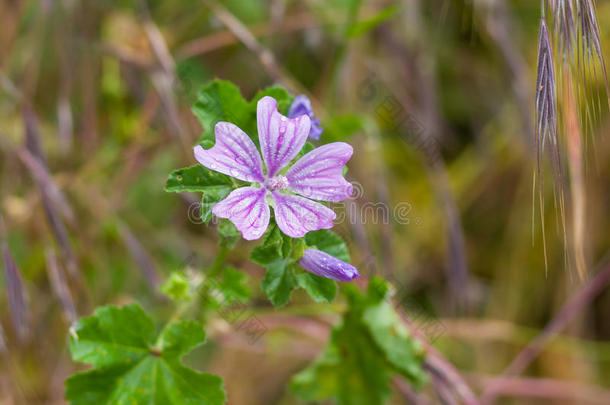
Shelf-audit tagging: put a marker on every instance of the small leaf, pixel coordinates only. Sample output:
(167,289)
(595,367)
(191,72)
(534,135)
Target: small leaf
(228,233)
(319,288)
(329,242)
(196,178)
(403,352)
(221,100)
(275,245)
(365,350)
(349,371)
(128,369)
(233,286)
(177,287)
(279,281)
(284,100)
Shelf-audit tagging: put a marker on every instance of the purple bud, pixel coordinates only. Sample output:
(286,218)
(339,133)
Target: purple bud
(325,265)
(302,106)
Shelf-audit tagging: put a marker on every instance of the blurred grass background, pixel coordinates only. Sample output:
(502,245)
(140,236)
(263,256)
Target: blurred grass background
(437,98)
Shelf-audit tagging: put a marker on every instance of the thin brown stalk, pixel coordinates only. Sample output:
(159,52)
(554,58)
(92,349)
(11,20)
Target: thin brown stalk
(217,40)
(577,182)
(17,300)
(575,305)
(140,256)
(46,183)
(3,347)
(411,397)
(546,388)
(265,56)
(164,79)
(435,362)
(60,285)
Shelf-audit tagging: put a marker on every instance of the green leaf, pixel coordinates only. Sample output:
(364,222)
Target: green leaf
(221,100)
(197,179)
(233,286)
(209,200)
(275,245)
(274,255)
(349,371)
(215,186)
(403,352)
(128,369)
(228,233)
(329,242)
(279,281)
(341,127)
(365,350)
(284,100)
(319,288)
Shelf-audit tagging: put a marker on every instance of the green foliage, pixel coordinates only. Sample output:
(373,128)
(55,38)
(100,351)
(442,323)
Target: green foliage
(365,351)
(232,287)
(228,233)
(279,254)
(329,242)
(129,367)
(177,287)
(341,127)
(221,100)
(284,100)
(273,255)
(214,186)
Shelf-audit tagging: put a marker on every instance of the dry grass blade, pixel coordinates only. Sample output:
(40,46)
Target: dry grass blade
(60,233)
(16,294)
(45,182)
(546,126)
(589,35)
(546,109)
(2,340)
(265,56)
(60,286)
(140,256)
(565,25)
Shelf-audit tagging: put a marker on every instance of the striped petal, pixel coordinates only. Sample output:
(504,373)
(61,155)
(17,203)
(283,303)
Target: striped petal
(319,174)
(281,138)
(296,215)
(247,208)
(325,265)
(234,154)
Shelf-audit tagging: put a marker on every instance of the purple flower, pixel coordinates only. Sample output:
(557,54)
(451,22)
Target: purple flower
(302,106)
(315,176)
(325,265)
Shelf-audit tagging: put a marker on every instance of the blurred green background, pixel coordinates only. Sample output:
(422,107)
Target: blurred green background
(437,98)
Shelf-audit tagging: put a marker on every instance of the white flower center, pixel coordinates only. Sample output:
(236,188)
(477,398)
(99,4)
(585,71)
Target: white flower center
(276,183)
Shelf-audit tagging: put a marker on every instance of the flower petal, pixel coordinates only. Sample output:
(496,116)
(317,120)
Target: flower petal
(247,208)
(325,265)
(281,138)
(301,105)
(296,215)
(234,154)
(319,174)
